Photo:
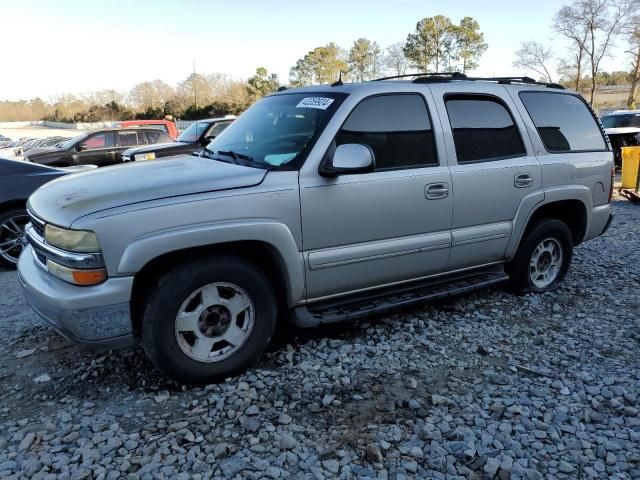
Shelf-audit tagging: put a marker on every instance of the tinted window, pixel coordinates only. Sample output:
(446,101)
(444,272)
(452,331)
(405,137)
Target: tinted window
(127,139)
(483,129)
(563,121)
(151,137)
(621,120)
(217,129)
(396,127)
(99,140)
(193,132)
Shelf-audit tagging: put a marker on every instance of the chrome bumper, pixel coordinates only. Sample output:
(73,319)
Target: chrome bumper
(98,315)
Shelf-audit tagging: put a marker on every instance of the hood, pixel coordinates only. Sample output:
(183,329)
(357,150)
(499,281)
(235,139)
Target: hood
(37,150)
(65,200)
(621,130)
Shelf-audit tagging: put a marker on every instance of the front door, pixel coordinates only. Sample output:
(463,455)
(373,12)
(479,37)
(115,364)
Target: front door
(387,226)
(96,149)
(494,171)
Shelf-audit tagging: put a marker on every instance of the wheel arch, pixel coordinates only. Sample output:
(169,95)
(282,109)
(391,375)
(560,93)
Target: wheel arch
(260,253)
(572,211)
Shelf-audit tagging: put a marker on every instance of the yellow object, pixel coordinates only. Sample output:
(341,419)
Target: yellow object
(630,162)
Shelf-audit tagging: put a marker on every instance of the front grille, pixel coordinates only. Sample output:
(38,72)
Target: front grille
(38,225)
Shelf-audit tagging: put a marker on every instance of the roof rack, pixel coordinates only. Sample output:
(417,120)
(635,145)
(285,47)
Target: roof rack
(436,77)
(512,80)
(439,75)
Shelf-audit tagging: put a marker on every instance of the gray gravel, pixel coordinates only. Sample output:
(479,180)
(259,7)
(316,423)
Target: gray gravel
(490,385)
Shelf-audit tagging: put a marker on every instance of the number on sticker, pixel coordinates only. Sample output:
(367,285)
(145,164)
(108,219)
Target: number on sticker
(321,103)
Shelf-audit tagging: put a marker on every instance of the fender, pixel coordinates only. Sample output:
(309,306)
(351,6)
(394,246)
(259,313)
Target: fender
(144,249)
(531,203)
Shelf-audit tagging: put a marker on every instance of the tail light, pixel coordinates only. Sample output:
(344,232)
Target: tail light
(613,176)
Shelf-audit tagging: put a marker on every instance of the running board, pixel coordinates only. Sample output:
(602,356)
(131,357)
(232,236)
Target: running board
(363,305)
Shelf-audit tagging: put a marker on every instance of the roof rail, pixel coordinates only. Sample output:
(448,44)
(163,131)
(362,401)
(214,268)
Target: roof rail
(442,75)
(512,80)
(448,76)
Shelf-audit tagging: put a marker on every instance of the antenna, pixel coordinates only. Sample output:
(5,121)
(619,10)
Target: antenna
(339,82)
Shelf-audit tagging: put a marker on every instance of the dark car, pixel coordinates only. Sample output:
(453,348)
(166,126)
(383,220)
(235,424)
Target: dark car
(100,147)
(193,139)
(18,180)
(623,129)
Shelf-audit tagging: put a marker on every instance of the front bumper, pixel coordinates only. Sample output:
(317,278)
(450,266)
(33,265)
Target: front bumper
(98,315)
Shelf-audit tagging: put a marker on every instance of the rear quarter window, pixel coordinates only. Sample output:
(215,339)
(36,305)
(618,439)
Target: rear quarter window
(564,122)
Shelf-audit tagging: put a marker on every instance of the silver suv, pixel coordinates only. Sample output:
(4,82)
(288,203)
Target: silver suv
(318,205)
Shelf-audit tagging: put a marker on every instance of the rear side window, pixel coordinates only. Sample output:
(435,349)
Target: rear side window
(128,139)
(396,127)
(483,129)
(564,122)
(151,137)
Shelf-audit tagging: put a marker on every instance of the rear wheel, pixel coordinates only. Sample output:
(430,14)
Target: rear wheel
(209,319)
(543,258)
(12,236)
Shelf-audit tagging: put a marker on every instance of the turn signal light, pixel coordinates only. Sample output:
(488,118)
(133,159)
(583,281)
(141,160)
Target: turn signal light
(76,276)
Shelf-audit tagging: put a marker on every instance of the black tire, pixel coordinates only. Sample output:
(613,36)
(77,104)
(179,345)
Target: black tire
(519,268)
(175,287)
(5,218)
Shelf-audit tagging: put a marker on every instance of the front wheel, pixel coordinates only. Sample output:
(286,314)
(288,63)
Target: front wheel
(543,258)
(12,237)
(209,319)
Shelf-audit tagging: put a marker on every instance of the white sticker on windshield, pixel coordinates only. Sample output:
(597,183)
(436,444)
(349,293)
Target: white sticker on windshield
(315,102)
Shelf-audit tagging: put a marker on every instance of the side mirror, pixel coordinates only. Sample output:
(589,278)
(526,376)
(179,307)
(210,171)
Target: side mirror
(207,140)
(82,148)
(349,158)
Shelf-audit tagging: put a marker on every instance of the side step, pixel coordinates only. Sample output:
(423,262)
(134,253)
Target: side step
(362,305)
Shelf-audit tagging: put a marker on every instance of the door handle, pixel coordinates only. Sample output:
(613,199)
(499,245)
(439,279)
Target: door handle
(523,180)
(435,191)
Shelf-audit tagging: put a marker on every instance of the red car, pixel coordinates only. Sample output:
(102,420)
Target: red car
(167,126)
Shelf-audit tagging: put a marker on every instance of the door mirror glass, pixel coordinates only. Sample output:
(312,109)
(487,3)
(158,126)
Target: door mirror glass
(349,158)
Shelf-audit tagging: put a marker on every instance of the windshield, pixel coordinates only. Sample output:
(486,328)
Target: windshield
(71,142)
(620,121)
(277,130)
(193,132)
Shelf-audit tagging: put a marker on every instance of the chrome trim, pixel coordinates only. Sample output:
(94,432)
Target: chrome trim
(64,258)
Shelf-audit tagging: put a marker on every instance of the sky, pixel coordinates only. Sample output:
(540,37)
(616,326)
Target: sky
(52,47)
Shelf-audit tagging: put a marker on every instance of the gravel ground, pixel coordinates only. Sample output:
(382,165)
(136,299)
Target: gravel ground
(483,386)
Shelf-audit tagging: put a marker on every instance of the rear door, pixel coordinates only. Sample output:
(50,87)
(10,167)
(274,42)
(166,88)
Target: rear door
(494,170)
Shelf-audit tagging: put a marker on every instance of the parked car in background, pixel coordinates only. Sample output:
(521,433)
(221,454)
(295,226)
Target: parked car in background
(193,139)
(14,149)
(321,204)
(99,147)
(18,180)
(623,129)
(166,125)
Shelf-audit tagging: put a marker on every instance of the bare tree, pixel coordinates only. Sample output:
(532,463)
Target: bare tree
(592,26)
(632,31)
(394,60)
(534,56)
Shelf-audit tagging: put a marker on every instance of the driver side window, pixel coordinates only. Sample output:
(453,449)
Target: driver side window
(98,140)
(396,127)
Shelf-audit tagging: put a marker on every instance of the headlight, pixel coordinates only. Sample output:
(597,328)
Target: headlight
(144,156)
(82,241)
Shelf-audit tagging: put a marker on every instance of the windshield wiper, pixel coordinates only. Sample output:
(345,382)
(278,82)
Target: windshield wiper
(209,154)
(235,155)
